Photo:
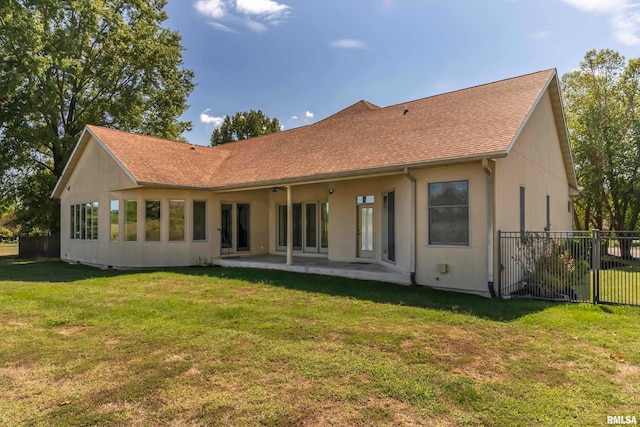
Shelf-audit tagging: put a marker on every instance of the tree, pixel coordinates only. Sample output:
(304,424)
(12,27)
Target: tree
(602,101)
(244,125)
(68,63)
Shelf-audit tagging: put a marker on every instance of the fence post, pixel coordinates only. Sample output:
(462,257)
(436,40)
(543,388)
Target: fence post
(595,264)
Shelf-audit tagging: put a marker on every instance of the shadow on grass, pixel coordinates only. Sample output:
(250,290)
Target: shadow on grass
(13,269)
(17,269)
(385,293)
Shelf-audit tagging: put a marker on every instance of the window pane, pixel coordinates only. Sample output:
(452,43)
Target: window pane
(449,225)
(243,227)
(366,224)
(199,220)
(131,220)
(176,220)
(324,225)
(72,222)
(152,221)
(297,226)
(114,215)
(311,225)
(83,221)
(448,193)
(94,221)
(282,225)
(391,226)
(225,226)
(78,225)
(449,213)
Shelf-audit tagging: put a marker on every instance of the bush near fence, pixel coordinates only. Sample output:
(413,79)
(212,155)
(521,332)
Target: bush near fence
(582,266)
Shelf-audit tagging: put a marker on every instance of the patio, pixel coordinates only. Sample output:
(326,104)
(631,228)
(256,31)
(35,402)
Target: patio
(352,270)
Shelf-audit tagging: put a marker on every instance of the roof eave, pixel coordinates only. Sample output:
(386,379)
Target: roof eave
(73,160)
(358,173)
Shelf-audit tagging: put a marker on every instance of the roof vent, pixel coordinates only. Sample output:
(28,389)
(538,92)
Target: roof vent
(193,147)
(406,110)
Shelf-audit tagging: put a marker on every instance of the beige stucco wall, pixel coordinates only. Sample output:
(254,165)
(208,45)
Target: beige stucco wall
(466,265)
(97,177)
(535,162)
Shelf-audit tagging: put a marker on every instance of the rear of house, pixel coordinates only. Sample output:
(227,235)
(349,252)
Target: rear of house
(419,188)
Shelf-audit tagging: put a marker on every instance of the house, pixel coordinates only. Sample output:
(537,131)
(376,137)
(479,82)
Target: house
(419,188)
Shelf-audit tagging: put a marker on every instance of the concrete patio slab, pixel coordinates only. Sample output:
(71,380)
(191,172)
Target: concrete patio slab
(352,270)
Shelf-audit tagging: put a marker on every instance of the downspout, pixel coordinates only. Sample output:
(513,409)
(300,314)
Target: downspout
(490,225)
(412,221)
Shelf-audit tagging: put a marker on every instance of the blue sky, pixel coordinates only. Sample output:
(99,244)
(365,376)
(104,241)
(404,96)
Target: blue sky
(303,60)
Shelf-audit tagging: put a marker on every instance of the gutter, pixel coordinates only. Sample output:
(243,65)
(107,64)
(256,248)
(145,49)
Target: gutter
(490,225)
(412,221)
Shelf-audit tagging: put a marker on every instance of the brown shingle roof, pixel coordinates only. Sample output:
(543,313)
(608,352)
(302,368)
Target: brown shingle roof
(160,161)
(481,121)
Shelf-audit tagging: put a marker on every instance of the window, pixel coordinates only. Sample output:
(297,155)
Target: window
(72,222)
(152,220)
(242,235)
(131,220)
(199,220)
(225,226)
(297,226)
(282,227)
(388,226)
(78,224)
(83,221)
(94,221)
(176,220)
(449,213)
(324,226)
(365,199)
(114,214)
(309,227)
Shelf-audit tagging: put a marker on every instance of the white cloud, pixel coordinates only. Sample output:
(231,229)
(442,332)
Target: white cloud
(260,7)
(626,28)
(222,27)
(348,44)
(210,8)
(256,26)
(207,119)
(597,5)
(541,35)
(294,118)
(308,115)
(624,20)
(257,15)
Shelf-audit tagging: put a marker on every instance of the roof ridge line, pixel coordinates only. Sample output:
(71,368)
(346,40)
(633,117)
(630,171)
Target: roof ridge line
(468,88)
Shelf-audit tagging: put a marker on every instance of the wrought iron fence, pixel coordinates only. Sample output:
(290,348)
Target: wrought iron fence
(581,266)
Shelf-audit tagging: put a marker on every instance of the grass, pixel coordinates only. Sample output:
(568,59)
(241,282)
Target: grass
(621,284)
(213,346)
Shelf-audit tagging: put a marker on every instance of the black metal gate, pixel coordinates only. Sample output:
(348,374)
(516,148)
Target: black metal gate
(582,266)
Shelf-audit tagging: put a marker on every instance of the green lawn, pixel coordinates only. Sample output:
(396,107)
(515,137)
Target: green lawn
(213,346)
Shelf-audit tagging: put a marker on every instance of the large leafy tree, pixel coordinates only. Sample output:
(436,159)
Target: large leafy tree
(602,101)
(244,125)
(67,63)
